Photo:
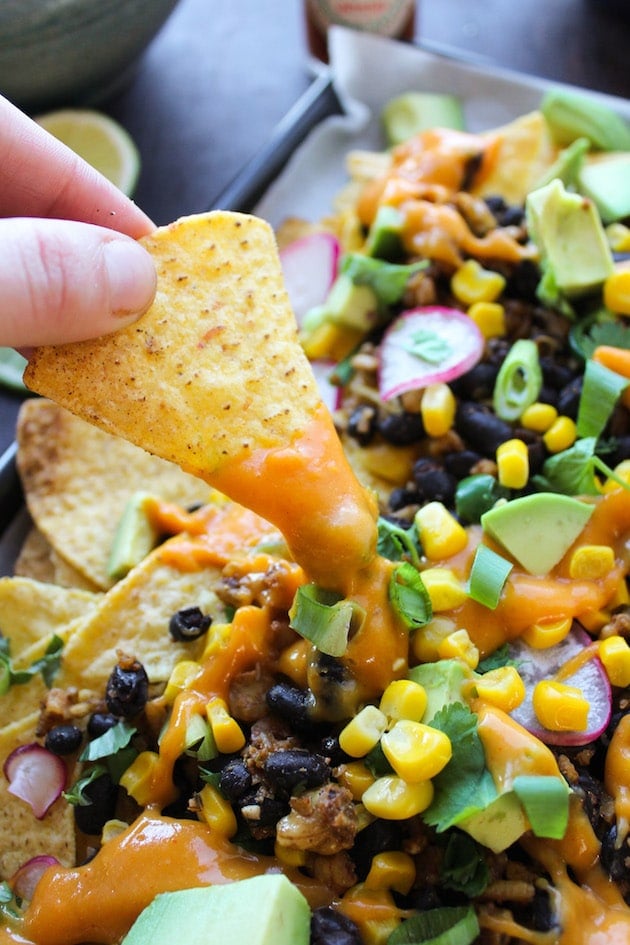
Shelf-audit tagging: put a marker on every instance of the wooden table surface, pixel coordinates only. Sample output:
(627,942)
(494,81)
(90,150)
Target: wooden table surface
(215,82)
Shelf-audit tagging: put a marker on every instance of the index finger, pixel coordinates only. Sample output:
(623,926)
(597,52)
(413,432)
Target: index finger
(41,177)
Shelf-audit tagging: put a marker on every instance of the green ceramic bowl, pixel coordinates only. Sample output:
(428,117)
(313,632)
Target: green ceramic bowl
(72,52)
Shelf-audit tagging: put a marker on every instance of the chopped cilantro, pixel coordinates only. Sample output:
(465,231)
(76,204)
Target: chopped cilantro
(47,665)
(572,471)
(464,868)
(586,337)
(465,785)
(429,345)
(496,660)
(110,742)
(76,795)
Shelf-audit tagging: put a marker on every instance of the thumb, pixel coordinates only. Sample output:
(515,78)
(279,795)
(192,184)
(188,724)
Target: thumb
(64,281)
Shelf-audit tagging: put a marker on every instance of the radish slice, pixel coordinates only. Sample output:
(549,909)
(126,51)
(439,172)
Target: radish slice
(534,665)
(36,776)
(426,346)
(309,266)
(26,878)
(330,393)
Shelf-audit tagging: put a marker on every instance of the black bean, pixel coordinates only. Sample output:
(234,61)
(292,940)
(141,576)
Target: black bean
(401,429)
(523,282)
(291,768)
(99,723)
(189,623)
(555,374)
(261,810)
(330,749)
(362,424)
(537,454)
(290,703)
(481,428)
(235,780)
(620,452)
(377,837)
(400,498)
(433,482)
(63,739)
(548,395)
(330,927)
(478,383)
(460,462)
(569,398)
(127,689)
(538,914)
(102,795)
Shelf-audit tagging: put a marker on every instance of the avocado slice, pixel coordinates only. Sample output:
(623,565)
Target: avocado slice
(570,235)
(537,529)
(412,112)
(568,164)
(499,825)
(571,115)
(262,910)
(134,538)
(385,237)
(443,683)
(606,180)
(348,304)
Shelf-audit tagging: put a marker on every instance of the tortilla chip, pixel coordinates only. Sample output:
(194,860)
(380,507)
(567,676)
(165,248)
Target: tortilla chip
(133,617)
(39,560)
(77,481)
(213,368)
(53,835)
(31,611)
(525,151)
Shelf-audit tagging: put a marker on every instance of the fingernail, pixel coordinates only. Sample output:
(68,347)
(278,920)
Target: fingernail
(131,276)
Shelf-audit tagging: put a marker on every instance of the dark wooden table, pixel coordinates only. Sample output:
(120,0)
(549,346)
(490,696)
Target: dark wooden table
(212,87)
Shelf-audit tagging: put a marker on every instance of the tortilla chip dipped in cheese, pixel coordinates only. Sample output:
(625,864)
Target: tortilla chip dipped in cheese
(214,379)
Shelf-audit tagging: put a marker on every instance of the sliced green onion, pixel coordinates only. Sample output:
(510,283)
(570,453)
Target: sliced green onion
(488,575)
(545,799)
(395,542)
(477,494)
(519,380)
(450,925)
(199,741)
(325,619)
(600,392)
(409,597)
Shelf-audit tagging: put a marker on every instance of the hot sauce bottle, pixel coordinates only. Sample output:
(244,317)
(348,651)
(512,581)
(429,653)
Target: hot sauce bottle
(393,18)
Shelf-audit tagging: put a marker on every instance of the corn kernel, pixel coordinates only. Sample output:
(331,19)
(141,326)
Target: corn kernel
(216,811)
(437,409)
(404,699)
(426,640)
(594,620)
(472,283)
(622,471)
(546,633)
(227,733)
(561,434)
(591,562)
(332,341)
(290,856)
(356,777)
(538,417)
(617,290)
(489,317)
(393,869)
(293,662)
(502,687)
(614,653)
(459,646)
(621,597)
(441,535)
(392,463)
(559,707)
(415,751)
(137,780)
(618,236)
(513,464)
(180,679)
(391,798)
(112,829)
(374,911)
(363,732)
(444,588)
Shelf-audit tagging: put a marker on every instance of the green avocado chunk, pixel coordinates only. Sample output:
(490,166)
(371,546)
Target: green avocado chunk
(537,529)
(355,306)
(570,235)
(607,182)
(412,112)
(443,682)
(385,237)
(262,910)
(571,115)
(134,538)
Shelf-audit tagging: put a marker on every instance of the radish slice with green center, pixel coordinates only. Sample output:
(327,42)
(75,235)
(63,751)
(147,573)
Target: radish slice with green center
(426,346)
(309,266)
(26,878)
(534,665)
(330,393)
(36,776)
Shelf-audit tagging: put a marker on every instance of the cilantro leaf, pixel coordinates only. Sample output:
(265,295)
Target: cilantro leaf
(47,665)
(613,332)
(465,785)
(464,868)
(110,742)
(76,795)
(572,471)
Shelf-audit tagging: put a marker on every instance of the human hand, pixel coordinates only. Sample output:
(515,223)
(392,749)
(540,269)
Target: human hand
(70,266)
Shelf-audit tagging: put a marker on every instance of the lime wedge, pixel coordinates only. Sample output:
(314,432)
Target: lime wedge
(12,367)
(99,140)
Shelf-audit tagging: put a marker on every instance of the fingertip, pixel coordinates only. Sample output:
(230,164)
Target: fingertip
(131,279)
